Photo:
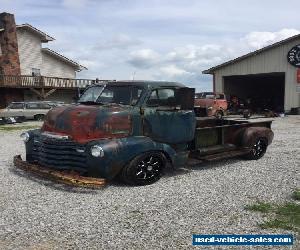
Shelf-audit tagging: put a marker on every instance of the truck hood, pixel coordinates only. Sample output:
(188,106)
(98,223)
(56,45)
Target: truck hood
(83,123)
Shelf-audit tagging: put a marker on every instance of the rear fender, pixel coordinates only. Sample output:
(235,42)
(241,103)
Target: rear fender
(250,135)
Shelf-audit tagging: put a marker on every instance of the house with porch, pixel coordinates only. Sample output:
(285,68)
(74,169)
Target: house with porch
(29,70)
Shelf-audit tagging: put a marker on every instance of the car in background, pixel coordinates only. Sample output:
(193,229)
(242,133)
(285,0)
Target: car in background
(210,104)
(28,110)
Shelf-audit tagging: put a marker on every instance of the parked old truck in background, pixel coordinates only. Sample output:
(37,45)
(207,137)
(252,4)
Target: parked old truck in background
(132,129)
(210,104)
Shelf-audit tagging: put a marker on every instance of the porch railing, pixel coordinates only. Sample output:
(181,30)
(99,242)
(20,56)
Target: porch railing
(24,81)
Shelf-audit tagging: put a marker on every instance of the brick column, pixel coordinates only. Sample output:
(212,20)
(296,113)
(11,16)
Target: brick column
(9,60)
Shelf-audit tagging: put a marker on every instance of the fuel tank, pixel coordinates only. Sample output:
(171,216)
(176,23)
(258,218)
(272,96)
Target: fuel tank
(83,123)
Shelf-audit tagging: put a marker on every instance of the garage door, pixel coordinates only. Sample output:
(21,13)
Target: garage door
(265,91)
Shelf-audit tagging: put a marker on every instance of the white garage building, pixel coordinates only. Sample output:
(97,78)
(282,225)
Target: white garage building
(270,75)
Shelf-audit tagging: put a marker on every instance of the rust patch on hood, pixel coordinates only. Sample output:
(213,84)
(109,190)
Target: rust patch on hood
(83,123)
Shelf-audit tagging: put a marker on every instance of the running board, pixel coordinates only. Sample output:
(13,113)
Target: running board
(220,156)
(216,149)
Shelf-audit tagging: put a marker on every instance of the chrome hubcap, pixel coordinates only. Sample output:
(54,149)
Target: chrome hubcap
(149,168)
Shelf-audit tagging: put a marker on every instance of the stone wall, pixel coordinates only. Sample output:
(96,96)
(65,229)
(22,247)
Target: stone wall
(9,59)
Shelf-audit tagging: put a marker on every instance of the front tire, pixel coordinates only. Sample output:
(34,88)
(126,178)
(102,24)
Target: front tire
(258,149)
(144,169)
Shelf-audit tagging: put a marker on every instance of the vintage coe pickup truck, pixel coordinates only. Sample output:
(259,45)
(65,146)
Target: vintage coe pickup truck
(132,129)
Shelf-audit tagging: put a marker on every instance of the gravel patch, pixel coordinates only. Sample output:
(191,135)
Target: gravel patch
(207,199)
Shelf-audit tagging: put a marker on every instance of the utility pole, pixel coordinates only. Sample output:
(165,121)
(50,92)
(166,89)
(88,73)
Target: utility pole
(133,75)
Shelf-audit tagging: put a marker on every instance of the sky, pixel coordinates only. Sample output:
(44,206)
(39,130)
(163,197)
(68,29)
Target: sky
(172,40)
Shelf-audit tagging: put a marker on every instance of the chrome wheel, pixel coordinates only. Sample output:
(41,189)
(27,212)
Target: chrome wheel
(144,169)
(258,149)
(149,168)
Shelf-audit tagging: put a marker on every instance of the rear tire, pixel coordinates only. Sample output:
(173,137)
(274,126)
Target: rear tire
(39,117)
(144,169)
(258,149)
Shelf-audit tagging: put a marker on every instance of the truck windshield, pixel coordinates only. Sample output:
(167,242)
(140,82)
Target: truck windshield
(126,95)
(91,94)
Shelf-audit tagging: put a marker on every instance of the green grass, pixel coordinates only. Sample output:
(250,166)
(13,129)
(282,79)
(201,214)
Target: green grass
(260,207)
(15,128)
(285,216)
(296,195)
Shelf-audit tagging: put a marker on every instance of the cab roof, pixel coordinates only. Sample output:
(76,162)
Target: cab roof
(142,83)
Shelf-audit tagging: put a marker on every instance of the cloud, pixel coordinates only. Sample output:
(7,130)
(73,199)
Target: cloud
(120,41)
(157,39)
(144,58)
(257,40)
(194,58)
(173,71)
(111,56)
(180,60)
(190,52)
(4,1)
(90,64)
(186,63)
(77,4)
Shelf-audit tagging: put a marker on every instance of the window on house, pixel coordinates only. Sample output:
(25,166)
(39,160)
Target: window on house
(36,72)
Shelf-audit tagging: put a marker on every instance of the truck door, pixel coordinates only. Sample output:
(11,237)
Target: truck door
(169,115)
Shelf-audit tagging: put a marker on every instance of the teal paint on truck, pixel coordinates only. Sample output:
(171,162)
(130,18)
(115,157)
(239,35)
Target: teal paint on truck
(136,126)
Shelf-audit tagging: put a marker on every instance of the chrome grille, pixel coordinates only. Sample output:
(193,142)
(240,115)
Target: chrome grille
(59,154)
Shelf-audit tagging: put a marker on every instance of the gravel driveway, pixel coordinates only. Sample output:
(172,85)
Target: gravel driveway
(208,199)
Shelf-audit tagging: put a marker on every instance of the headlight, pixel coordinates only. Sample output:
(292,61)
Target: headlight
(97,151)
(25,136)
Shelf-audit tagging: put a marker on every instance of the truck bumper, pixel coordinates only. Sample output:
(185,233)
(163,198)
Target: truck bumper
(67,177)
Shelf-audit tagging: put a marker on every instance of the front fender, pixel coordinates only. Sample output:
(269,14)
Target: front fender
(251,134)
(118,152)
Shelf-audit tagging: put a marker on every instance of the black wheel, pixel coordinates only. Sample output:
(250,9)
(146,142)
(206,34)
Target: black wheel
(219,114)
(39,117)
(144,169)
(259,148)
